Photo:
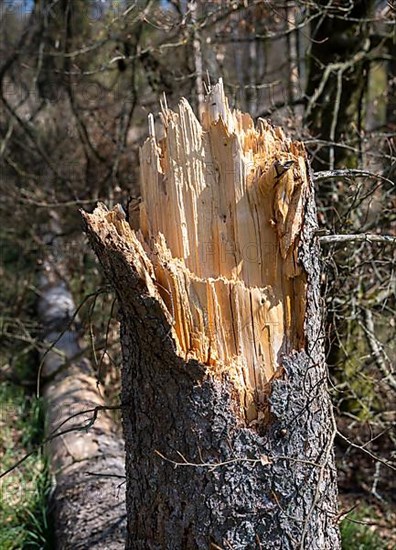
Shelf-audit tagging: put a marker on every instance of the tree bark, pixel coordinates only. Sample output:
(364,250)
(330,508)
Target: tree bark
(228,425)
(87,461)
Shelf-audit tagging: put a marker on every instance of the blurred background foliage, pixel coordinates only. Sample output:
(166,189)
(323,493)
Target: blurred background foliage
(77,81)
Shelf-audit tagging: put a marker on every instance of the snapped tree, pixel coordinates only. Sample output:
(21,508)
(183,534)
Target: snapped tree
(228,425)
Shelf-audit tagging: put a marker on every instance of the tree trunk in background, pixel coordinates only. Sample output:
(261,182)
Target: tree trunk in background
(391,106)
(88,462)
(197,57)
(336,80)
(227,421)
(336,90)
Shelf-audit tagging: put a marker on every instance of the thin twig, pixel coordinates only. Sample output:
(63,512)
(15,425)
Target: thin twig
(349,173)
(54,434)
(376,347)
(366,451)
(264,460)
(359,237)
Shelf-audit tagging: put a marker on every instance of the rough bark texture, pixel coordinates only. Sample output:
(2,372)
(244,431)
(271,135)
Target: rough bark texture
(210,463)
(87,464)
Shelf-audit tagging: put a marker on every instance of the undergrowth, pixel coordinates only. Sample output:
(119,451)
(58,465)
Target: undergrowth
(356,533)
(24,492)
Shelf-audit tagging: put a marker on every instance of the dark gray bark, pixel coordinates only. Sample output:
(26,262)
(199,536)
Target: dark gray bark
(242,488)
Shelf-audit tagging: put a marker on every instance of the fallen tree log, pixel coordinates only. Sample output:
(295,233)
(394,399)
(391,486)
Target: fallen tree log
(227,421)
(87,461)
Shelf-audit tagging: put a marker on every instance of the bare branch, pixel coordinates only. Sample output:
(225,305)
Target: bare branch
(332,239)
(349,173)
(83,427)
(376,348)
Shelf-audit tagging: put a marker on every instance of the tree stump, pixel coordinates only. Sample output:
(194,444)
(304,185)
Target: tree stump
(228,425)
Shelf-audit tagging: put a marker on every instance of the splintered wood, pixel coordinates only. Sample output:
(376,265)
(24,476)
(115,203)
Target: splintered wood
(220,220)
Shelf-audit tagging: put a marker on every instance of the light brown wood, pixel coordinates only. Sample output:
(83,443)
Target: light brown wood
(219,224)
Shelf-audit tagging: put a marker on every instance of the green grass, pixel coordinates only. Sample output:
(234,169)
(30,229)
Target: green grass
(24,492)
(357,536)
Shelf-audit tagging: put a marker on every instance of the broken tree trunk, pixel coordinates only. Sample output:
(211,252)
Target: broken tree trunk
(227,422)
(87,461)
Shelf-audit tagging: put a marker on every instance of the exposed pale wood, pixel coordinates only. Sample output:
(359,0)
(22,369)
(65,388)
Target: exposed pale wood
(219,241)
